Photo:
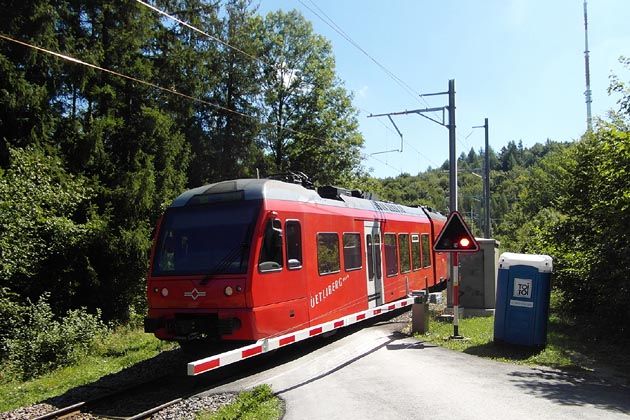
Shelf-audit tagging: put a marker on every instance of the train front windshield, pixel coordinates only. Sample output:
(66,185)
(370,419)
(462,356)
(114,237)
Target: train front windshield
(206,239)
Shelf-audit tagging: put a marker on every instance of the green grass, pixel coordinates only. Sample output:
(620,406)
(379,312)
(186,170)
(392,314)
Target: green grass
(567,347)
(121,349)
(258,404)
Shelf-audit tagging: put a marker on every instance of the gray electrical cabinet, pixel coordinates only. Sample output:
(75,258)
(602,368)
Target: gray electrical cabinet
(478,279)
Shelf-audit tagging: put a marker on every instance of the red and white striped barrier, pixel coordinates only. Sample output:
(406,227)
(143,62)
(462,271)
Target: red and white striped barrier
(262,346)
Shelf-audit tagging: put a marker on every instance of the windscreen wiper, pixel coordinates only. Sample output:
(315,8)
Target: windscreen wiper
(225,262)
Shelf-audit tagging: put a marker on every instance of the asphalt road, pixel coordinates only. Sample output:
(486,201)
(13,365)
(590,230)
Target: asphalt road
(378,373)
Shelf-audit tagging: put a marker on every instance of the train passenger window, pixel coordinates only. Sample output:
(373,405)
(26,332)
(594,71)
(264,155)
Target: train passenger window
(271,250)
(373,256)
(391,254)
(352,251)
(426,251)
(416,262)
(294,244)
(328,253)
(403,250)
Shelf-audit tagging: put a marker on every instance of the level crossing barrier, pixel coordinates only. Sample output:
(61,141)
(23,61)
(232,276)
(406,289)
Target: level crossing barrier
(273,343)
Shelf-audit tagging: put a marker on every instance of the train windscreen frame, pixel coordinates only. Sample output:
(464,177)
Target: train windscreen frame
(206,239)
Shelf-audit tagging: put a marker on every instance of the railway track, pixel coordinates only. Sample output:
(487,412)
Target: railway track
(177,392)
(143,400)
(82,410)
(136,402)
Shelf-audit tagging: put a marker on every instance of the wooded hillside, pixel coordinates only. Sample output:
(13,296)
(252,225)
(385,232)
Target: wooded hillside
(93,148)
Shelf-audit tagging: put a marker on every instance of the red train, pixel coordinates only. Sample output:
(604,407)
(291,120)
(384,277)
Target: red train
(247,259)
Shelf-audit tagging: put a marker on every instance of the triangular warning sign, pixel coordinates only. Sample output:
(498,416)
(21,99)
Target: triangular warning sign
(455,236)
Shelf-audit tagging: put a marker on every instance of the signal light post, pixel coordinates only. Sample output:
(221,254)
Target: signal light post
(455,237)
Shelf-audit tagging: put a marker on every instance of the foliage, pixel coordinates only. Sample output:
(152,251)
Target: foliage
(567,347)
(592,242)
(620,87)
(532,197)
(47,224)
(257,404)
(12,316)
(90,159)
(310,123)
(567,200)
(40,343)
(119,350)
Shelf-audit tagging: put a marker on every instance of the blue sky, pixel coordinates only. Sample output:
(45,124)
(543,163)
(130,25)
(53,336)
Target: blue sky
(519,63)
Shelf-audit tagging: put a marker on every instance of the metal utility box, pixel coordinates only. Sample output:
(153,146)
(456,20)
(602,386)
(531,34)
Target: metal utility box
(478,278)
(522,304)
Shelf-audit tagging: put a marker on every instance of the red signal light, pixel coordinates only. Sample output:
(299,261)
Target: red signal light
(455,236)
(464,242)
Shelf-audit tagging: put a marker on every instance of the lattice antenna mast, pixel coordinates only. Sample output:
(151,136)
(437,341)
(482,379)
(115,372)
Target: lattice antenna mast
(587,93)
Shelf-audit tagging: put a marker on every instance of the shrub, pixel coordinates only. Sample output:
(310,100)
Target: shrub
(11,316)
(43,343)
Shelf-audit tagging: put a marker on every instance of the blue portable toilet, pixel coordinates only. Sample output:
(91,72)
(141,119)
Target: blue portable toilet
(522,301)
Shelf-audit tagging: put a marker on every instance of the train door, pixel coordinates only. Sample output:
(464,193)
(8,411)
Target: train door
(374,261)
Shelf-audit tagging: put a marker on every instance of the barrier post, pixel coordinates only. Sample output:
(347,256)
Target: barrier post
(420,315)
(455,271)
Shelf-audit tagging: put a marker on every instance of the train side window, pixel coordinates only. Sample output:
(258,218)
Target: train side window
(352,251)
(426,251)
(328,253)
(391,254)
(294,244)
(403,250)
(416,262)
(370,260)
(271,250)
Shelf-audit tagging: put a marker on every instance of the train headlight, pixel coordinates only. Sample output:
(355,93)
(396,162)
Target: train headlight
(228,291)
(165,292)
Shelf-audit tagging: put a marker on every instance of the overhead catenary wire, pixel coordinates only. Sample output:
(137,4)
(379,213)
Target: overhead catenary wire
(399,170)
(388,128)
(153,85)
(198,100)
(214,38)
(331,23)
(328,21)
(226,44)
(324,17)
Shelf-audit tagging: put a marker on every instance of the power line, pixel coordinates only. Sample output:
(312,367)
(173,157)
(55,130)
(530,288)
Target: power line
(421,154)
(321,14)
(388,128)
(155,86)
(115,73)
(214,38)
(252,57)
(328,21)
(399,170)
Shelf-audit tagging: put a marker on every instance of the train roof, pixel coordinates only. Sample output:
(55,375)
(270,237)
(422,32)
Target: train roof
(269,189)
